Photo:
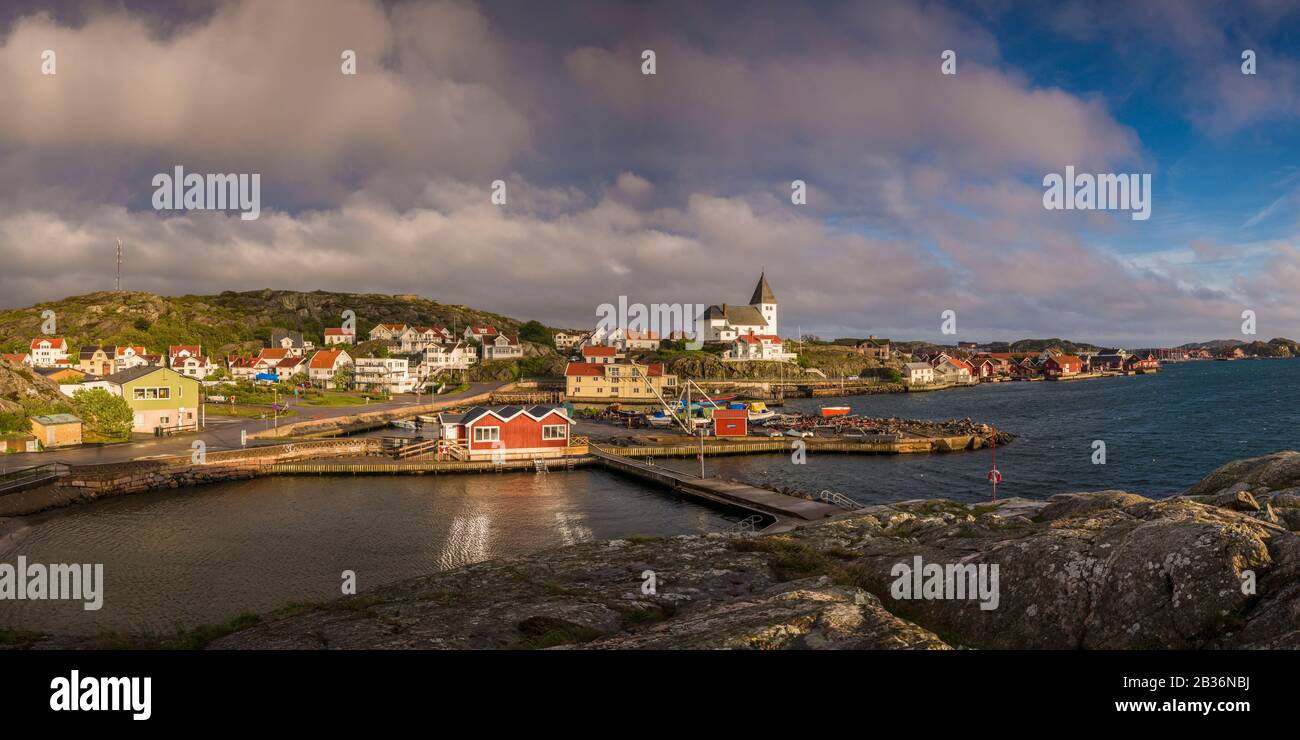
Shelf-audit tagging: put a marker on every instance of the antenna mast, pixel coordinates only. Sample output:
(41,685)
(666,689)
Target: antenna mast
(119,265)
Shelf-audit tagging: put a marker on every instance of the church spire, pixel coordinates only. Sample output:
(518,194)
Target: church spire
(762,292)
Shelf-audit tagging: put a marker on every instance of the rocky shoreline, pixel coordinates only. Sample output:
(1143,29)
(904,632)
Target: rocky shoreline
(1217,568)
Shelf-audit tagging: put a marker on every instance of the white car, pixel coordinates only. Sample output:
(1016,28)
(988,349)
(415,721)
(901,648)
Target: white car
(774,433)
(798,433)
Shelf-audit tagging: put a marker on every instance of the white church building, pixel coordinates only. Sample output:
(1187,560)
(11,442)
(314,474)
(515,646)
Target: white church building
(726,322)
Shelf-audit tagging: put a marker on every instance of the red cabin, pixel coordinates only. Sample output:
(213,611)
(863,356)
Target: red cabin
(510,431)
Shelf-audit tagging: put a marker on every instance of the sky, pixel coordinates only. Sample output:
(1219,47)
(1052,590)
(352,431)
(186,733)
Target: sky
(925,190)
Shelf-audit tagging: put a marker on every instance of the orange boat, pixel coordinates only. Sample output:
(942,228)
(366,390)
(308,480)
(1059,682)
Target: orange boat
(835,410)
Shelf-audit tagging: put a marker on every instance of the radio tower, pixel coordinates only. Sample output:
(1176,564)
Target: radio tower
(119,265)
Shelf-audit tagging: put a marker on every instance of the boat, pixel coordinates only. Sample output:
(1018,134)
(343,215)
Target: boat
(759,412)
(402,423)
(659,419)
(835,410)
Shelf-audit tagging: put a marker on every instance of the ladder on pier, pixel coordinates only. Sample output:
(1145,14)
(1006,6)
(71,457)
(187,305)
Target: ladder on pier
(839,499)
(539,465)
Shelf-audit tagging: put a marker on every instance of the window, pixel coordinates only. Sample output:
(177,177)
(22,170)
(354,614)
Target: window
(487,434)
(151,394)
(554,431)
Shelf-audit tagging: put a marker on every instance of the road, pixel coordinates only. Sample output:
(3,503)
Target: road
(222,433)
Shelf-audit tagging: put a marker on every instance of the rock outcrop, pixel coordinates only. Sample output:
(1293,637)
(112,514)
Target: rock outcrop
(1101,570)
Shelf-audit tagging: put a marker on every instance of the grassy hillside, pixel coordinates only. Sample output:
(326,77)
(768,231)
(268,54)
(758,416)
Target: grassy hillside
(225,322)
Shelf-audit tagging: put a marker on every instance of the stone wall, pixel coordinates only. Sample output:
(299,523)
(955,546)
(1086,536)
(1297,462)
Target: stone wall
(86,483)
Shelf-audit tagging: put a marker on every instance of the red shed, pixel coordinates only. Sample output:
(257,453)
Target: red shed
(512,431)
(730,423)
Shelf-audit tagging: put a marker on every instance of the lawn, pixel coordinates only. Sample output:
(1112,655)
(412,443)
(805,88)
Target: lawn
(342,399)
(247,412)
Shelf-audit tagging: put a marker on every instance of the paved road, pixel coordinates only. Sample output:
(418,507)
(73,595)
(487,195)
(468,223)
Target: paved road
(222,433)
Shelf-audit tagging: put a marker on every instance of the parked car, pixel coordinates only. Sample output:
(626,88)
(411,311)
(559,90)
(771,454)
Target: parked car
(216,399)
(798,433)
(775,433)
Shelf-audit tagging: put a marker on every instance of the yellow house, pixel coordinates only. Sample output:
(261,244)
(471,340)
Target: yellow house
(617,381)
(162,400)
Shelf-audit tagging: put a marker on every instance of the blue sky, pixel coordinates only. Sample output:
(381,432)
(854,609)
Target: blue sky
(925,190)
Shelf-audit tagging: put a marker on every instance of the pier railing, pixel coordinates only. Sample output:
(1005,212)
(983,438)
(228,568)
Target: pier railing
(24,478)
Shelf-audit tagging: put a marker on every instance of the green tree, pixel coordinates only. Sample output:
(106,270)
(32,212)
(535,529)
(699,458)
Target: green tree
(14,422)
(104,413)
(343,377)
(533,331)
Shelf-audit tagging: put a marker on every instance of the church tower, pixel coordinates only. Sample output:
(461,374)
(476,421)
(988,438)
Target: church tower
(765,301)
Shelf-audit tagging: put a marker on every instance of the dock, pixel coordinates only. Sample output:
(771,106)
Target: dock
(785,512)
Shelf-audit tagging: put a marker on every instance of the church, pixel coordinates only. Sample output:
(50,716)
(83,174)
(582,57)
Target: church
(726,322)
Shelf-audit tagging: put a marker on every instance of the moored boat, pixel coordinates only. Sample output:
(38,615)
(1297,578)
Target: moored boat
(759,412)
(835,410)
(403,423)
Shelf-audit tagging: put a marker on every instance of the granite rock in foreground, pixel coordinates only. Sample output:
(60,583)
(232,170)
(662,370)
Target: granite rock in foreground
(1101,570)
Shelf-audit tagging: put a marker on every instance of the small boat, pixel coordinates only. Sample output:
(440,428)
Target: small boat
(402,423)
(835,410)
(659,419)
(759,412)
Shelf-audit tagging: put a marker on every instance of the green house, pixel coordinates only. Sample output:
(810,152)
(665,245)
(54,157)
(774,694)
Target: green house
(162,399)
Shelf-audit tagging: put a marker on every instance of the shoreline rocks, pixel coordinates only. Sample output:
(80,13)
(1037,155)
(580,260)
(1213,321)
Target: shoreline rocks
(1088,570)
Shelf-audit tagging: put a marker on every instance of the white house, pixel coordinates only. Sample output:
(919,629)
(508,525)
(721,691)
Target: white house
(441,357)
(568,339)
(953,372)
(324,364)
(502,347)
(918,373)
(188,360)
(49,352)
(480,334)
(759,347)
(644,340)
(338,335)
(386,332)
(127,357)
(389,374)
(417,339)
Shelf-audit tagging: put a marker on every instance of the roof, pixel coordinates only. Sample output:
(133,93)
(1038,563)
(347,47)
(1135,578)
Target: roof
(56,419)
(279,335)
(15,357)
(121,351)
(325,359)
(637,335)
(583,368)
(736,315)
(86,353)
(337,332)
(762,291)
(598,350)
(488,330)
(126,376)
(918,366)
(506,413)
(55,342)
(193,349)
(273,354)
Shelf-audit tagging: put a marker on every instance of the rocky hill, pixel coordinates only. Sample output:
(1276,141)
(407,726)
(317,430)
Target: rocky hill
(1103,570)
(22,390)
(226,321)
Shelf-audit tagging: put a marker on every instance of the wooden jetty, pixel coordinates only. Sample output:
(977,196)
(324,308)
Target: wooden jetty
(783,511)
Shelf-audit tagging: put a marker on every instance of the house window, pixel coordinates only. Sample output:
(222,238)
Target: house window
(151,394)
(487,434)
(554,431)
